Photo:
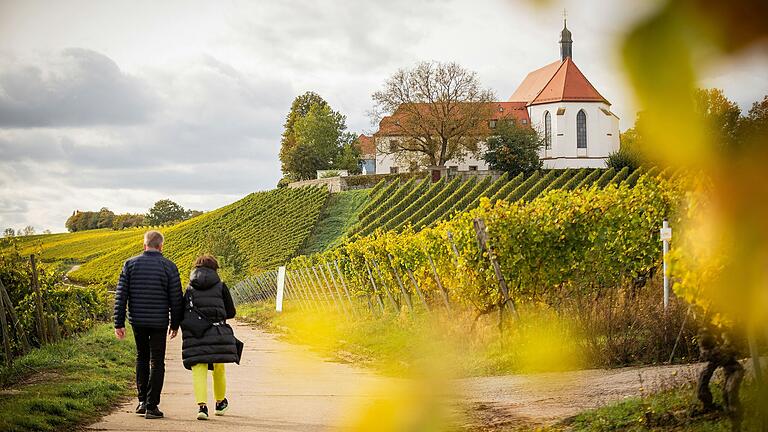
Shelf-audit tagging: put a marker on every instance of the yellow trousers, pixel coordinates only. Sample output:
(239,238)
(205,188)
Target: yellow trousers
(200,382)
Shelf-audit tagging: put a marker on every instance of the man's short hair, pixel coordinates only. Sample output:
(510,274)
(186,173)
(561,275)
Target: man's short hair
(153,239)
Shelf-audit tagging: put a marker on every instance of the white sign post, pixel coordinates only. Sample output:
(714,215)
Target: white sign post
(665,233)
(280,288)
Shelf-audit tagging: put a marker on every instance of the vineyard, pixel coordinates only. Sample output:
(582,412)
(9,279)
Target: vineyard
(418,203)
(568,243)
(255,228)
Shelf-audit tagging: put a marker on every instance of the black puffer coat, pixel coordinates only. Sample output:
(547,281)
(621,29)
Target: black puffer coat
(212,298)
(149,285)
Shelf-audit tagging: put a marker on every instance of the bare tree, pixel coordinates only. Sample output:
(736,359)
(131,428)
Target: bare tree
(438,111)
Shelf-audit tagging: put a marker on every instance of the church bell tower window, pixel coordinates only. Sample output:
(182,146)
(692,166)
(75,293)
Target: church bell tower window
(547,130)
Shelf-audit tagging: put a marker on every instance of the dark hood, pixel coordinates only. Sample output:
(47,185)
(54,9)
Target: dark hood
(202,278)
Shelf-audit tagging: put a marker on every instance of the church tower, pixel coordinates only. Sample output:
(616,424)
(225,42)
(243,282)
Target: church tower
(576,121)
(566,43)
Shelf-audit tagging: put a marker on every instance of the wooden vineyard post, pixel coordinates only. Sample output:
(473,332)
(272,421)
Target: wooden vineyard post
(295,290)
(311,301)
(373,284)
(320,298)
(395,305)
(340,304)
(42,327)
(298,288)
(336,287)
(23,337)
(406,296)
(343,284)
(439,282)
(6,331)
(453,249)
(418,290)
(482,239)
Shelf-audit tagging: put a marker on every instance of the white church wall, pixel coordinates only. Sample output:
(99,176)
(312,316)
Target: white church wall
(602,134)
(385,162)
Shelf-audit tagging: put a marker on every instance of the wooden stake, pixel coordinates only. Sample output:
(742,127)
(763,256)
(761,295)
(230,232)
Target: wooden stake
(406,296)
(418,290)
(482,238)
(6,331)
(373,284)
(23,337)
(439,283)
(41,324)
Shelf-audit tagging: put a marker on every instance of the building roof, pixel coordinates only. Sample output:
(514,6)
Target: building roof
(389,125)
(556,82)
(534,82)
(366,145)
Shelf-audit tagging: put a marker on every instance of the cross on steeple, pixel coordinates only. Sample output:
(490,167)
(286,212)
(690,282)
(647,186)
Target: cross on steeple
(566,43)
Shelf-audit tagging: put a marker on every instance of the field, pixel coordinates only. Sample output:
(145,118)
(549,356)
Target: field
(255,227)
(418,203)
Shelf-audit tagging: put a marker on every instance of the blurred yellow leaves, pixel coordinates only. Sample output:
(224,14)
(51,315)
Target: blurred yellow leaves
(723,261)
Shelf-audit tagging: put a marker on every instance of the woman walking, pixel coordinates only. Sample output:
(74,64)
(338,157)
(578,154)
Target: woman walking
(208,342)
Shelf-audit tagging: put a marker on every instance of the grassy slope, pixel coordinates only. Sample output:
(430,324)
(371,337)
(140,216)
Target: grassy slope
(268,227)
(67,383)
(338,216)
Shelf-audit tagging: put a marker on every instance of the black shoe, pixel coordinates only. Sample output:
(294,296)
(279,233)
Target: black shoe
(202,413)
(153,413)
(141,409)
(221,407)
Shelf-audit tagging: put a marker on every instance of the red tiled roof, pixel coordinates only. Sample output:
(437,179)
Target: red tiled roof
(534,82)
(389,125)
(565,82)
(366,145)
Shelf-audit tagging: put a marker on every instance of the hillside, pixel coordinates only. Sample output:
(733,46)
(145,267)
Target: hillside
(264,228)
(420,203)
(267,229)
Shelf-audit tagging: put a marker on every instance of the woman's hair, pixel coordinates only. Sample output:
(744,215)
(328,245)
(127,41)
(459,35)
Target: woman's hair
(208,261)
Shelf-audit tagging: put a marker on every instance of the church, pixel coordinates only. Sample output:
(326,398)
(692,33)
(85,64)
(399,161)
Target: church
(575,120)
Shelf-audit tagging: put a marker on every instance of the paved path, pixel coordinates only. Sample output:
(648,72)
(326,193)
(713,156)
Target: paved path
(278,387)
(285,387)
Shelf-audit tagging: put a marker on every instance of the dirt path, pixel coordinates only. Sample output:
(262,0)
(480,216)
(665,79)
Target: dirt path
(278,387)
(285,387)
(549,397)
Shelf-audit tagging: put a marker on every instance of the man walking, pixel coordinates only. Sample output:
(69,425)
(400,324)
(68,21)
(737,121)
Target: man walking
(150,287)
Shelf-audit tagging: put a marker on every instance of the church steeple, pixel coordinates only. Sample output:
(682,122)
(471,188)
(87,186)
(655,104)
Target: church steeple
(566,43)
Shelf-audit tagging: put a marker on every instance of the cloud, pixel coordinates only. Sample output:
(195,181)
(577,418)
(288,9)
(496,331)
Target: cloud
(213,132)
(74,87)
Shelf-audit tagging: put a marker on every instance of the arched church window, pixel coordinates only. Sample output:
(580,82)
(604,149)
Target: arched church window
(547,130)
(581,130)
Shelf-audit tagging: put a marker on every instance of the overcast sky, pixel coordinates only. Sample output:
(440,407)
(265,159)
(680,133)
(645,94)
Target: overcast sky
(119,104)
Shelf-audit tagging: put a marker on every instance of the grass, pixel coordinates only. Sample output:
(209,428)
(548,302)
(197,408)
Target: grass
(673,409)
(339,214)
(404,344)
(66,384)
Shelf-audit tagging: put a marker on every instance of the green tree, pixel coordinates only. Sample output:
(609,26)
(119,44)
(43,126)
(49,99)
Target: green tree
(349,154)
(165,211)
(753,128)
(720,114)
(299,108)
(513,148)
(105,217)
(320,142)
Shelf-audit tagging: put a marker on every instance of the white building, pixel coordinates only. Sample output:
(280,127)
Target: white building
(579,128)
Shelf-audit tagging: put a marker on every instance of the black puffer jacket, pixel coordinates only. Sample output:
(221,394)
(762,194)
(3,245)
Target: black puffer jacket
(150,286)
(212,298)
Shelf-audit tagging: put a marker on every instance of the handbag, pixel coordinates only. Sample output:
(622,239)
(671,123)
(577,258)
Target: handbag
(195,323)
